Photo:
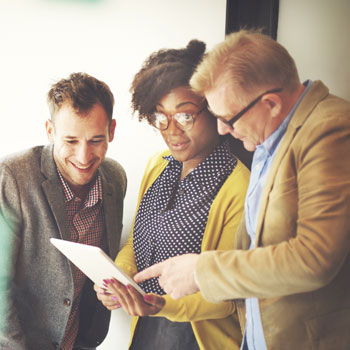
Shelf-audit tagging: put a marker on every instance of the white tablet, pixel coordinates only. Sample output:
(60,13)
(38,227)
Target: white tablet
(93,262)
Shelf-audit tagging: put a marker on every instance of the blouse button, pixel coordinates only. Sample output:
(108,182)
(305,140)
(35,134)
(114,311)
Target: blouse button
(67,302)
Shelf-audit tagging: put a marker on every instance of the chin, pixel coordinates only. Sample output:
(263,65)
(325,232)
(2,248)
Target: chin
(249,146)
(178,157)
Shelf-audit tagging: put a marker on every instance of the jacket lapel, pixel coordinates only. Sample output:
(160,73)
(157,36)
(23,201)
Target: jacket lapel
(110,195)
(53,191)
(317,92)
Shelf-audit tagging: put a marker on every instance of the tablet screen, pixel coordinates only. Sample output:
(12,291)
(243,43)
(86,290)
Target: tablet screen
(93,262)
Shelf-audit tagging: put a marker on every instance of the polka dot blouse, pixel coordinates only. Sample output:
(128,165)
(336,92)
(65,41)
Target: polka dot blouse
(173,213)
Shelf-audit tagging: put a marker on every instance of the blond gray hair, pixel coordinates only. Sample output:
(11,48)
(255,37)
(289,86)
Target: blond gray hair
(251,62)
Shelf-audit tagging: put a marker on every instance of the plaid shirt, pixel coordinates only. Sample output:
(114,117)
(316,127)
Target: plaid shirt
(86,223)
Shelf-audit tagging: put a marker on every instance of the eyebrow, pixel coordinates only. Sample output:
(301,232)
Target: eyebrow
(181,104)
(102,136)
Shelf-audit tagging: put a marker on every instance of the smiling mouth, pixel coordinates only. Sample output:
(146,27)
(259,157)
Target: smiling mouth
(179,146)
(82,168)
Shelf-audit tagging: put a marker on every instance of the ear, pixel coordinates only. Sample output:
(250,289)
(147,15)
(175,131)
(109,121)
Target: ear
(50,131)
(112,130)
(274,103)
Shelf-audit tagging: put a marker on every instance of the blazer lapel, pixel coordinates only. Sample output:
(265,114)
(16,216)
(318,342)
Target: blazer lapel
(317,92)
(53,191)
(110,196)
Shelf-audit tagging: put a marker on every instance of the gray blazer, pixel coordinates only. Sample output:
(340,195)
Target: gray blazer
(36,283)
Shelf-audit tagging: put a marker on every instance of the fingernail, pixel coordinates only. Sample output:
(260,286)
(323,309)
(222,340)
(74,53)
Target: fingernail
(112,281)
(147,297)
(114,298)
(105,282)
(102,293)
(127,286)
(118,306)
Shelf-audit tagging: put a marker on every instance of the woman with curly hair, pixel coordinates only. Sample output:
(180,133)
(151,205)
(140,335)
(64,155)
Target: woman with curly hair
(191,200)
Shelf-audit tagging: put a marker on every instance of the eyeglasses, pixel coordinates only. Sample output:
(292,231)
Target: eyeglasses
(245,109)
(183,121)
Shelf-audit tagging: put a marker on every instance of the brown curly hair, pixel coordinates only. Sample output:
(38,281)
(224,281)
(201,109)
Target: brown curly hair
(163,71)
(82,92)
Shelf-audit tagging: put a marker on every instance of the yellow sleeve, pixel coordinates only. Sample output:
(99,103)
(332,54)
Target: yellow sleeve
(194,308)
(126,258)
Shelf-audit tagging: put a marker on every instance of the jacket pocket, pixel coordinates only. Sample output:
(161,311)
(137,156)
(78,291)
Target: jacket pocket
(330,331)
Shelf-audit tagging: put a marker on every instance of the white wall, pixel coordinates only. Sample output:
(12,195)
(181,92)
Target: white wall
(44,40)
(317,34)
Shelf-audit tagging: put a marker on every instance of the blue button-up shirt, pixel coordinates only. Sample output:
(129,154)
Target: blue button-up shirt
(262,160)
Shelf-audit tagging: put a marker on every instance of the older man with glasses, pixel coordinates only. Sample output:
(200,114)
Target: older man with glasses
(290,271)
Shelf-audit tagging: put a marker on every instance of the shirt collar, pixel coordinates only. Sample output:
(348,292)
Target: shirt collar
(94,195)
(221,158)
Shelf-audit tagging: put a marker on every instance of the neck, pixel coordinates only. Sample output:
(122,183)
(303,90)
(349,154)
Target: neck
(191,164)
(291,99)
(81,191)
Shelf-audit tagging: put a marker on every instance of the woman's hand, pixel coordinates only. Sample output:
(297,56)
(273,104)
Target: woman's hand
(131,300)
(107,299)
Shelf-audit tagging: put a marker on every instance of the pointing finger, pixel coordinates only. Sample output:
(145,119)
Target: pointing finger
(153,271)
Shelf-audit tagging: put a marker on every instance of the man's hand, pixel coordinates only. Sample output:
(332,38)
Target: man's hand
(176,275)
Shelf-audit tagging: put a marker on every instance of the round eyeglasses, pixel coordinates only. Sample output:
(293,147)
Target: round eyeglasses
(183,121)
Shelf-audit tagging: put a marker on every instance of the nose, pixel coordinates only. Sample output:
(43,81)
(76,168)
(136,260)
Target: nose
(83,153)
(173,129)
(223,128)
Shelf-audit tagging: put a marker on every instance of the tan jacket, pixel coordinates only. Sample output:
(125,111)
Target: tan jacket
(301,269)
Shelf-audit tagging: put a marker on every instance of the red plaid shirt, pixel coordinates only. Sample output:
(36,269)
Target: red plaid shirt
(86,222)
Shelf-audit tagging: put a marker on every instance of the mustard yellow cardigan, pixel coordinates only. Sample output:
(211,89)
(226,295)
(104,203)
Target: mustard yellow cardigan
(215,326)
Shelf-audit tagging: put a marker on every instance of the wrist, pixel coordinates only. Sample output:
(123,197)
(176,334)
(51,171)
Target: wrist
(196,279)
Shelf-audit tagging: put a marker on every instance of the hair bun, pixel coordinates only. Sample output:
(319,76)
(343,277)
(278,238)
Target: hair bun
(195,50)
